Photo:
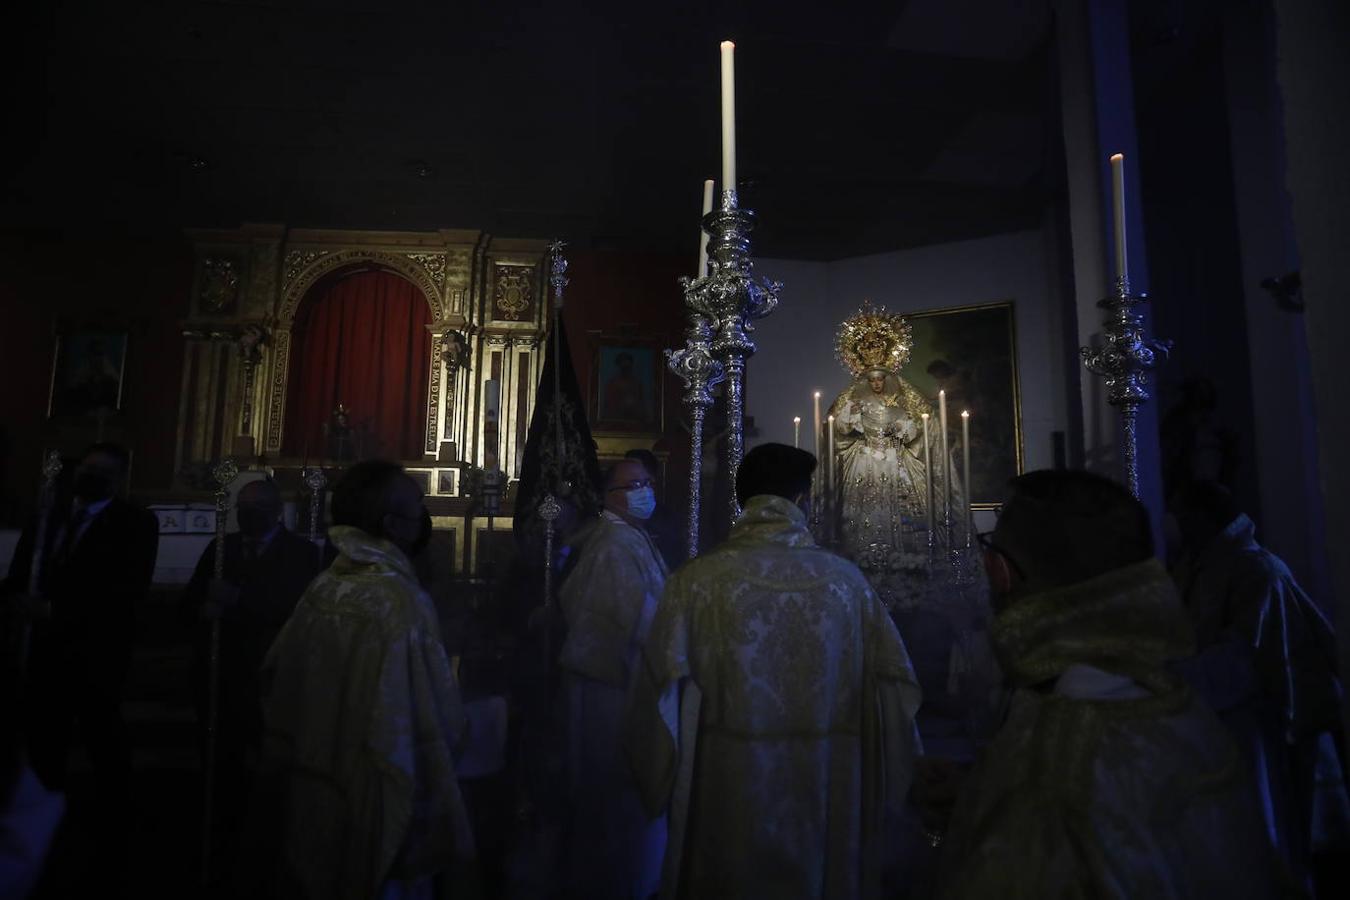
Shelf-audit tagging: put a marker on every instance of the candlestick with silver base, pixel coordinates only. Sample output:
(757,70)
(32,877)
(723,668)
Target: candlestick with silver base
(730,298)
(695,366)
(1124,361)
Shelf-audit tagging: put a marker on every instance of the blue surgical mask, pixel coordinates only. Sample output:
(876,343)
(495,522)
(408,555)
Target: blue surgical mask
(641,502)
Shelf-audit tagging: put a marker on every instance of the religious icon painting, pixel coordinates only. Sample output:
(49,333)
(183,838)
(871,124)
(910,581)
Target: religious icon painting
(971,352)
(87,373)
(626,386)
(447,482)
(423,479)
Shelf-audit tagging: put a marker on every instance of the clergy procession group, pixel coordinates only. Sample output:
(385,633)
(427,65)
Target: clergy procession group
(744,726)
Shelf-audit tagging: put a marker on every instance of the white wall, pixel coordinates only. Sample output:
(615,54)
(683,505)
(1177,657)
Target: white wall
(796,343)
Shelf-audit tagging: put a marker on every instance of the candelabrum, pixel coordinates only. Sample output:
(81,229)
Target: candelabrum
(1124,361)
(728,299)
(700,372)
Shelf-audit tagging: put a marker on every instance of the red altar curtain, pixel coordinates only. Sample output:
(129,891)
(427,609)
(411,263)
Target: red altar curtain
(360,339)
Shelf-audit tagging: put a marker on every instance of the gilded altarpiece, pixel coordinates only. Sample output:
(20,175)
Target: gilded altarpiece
(488,315)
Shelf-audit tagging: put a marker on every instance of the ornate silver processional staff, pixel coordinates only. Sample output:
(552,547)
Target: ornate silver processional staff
(549,508)
(224,472)
(51,468)
(721,305)
(1127,354)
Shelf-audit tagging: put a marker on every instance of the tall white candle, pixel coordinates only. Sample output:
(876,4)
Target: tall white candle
(815,447)
(928,471)
(829,469)
(703,235)
(728,117)
(965,469)
(797,431)
(946,461)
(1118,214)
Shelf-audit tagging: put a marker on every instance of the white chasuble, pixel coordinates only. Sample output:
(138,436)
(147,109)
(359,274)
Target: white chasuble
(773,715)
(361,713)
(614,848)
(1108,779)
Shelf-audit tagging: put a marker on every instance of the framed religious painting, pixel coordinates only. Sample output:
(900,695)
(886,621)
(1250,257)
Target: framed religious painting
(87,372)
(971,353)
(627,385)
(423,479)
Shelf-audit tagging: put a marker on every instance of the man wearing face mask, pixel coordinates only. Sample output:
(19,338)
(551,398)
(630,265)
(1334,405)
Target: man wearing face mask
(666,526)
(608,601)
(267,568)
(96,569)
(361,712)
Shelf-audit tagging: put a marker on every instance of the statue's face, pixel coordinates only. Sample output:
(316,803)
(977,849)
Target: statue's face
(876,382)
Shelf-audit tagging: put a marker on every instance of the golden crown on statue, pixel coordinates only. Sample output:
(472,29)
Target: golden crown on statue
(873,340)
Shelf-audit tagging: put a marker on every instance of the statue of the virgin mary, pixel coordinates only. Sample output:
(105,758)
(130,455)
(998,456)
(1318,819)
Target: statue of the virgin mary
(880,476)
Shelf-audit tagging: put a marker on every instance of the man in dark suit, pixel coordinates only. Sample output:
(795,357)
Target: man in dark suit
(267,568)
(98,559)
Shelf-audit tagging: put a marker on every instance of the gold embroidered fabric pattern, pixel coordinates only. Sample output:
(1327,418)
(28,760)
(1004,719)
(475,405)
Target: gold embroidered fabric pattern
(359,720)
(806,720)
(1090,798)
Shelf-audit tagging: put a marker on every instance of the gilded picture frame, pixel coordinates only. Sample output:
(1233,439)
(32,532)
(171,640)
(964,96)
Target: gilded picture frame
(971,351)
(88,372)
(627,389)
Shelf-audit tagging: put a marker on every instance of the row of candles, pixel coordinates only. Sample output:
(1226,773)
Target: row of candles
(728,97)
(828,480)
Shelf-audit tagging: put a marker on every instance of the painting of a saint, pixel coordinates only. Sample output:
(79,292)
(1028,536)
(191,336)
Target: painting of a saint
(87,374)
(626,393)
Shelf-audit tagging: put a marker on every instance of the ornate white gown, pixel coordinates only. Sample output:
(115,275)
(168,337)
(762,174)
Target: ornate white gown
(881,495)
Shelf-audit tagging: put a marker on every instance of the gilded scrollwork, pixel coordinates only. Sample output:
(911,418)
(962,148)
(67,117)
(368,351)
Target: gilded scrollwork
(219,286)
(297,261)
(513,292)
(281,351)
(434,263)
(325,261)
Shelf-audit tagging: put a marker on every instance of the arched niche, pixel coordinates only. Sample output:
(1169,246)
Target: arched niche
(315,268)
(362,339)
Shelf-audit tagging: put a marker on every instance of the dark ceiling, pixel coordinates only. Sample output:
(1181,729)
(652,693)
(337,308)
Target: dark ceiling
(864,126)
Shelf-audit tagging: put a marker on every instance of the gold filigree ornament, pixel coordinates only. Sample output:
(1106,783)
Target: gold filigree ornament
(873,340)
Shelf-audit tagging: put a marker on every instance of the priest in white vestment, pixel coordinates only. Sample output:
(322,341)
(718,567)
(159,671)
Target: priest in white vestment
(614,847)
(359,798)
(774,711)
(1109,778)
(1267,665)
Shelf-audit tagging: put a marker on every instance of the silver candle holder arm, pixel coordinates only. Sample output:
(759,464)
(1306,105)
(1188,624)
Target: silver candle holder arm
(1124,361)
(695,366)
(730,299)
